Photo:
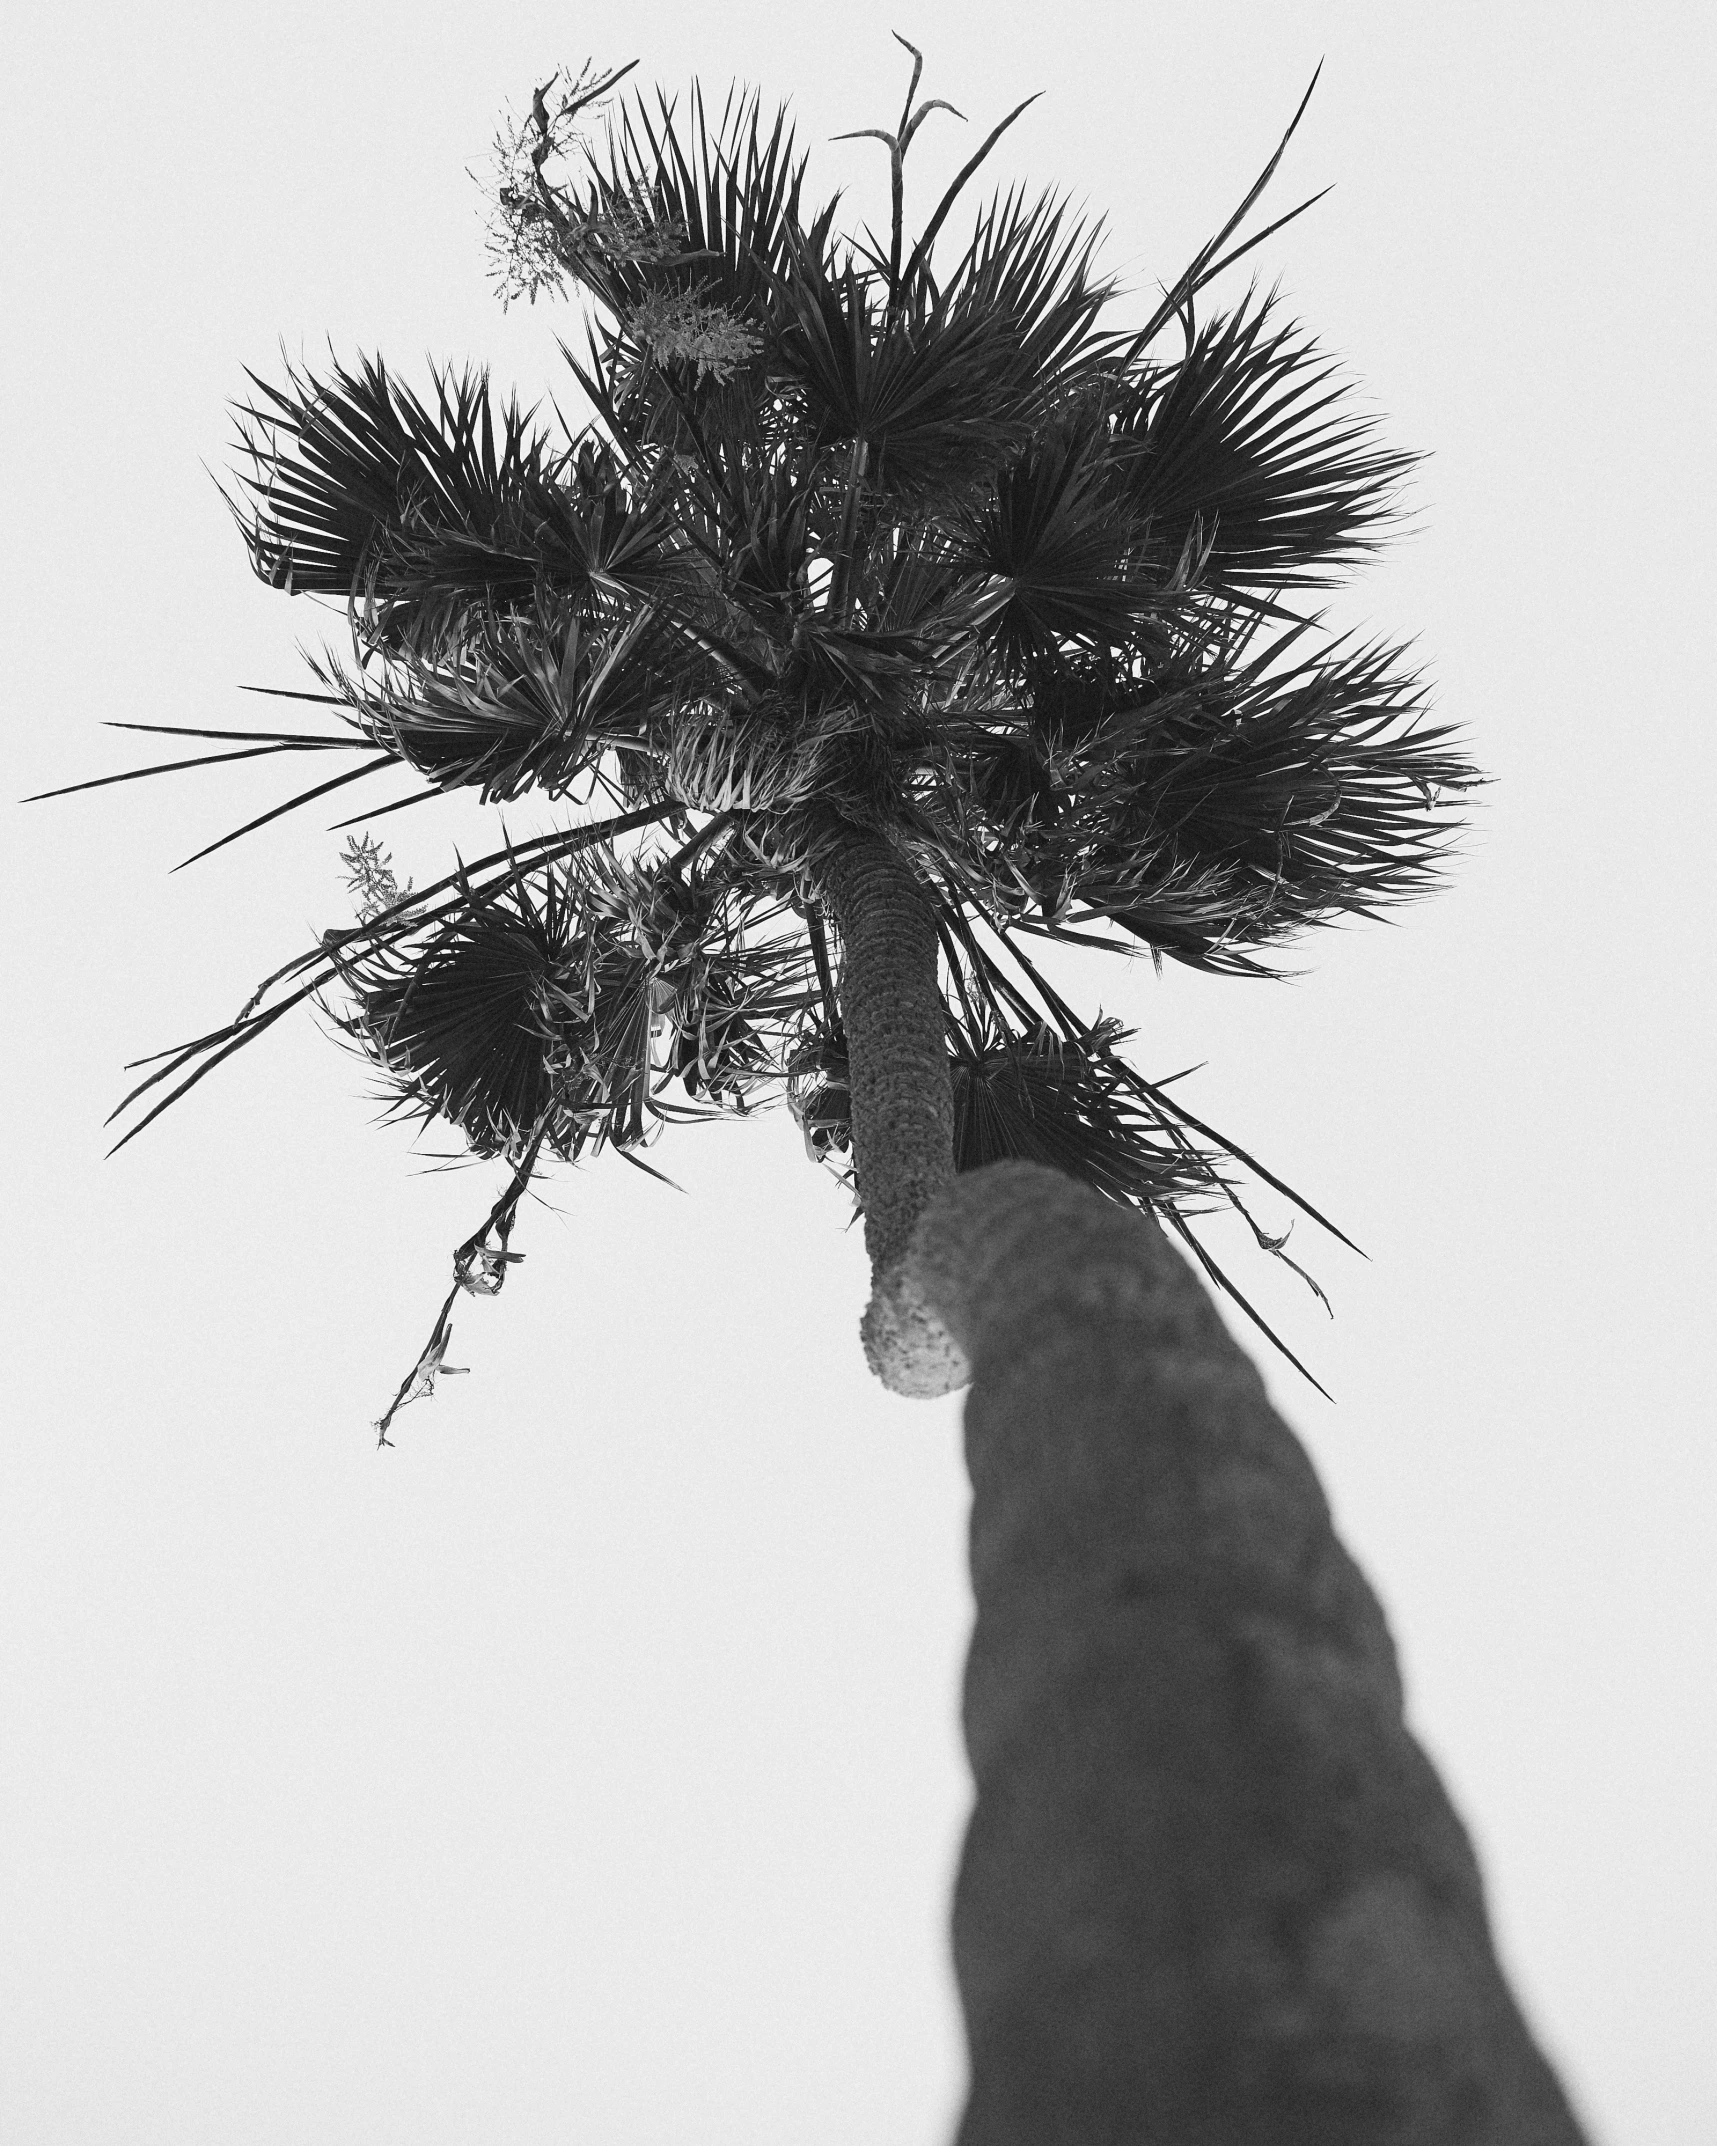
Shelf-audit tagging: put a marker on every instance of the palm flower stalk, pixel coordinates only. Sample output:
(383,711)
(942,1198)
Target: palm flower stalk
(903,607)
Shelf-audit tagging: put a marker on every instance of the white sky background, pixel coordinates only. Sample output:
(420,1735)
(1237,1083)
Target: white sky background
(588,1767)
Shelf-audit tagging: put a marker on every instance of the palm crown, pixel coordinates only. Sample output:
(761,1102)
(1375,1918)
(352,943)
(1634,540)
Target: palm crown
(864,537)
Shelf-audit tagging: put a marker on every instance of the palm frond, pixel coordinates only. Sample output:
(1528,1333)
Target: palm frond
(1035,1096)
(372,766)
(172,767)
(559,1009)
(520,704)
(950,379)
(1053,548)
(1210,260)
(418,516)
(976,975)
(705,208)
(1229,809)
(311,972)
(346,472)
(456,1022)
(904,388)
(1248,455)
(1030,266)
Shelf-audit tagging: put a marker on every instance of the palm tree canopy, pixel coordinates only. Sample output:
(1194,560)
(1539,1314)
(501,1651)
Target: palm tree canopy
(915,538)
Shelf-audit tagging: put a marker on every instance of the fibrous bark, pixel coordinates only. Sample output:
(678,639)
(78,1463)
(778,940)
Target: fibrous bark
(902,1096)
(1213,1893)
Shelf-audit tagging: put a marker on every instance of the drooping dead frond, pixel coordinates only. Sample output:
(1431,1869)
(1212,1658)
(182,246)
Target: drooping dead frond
(480,1268)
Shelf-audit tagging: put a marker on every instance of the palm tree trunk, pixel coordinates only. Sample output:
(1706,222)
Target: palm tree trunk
(902,1098)
(1213,1893)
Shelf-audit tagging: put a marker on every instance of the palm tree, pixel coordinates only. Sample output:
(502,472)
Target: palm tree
(897,609)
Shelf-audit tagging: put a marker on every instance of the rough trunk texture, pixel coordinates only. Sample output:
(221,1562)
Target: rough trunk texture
(902,1097)
(1213,1893)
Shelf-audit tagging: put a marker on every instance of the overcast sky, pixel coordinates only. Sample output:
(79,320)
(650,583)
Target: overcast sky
(588,1767)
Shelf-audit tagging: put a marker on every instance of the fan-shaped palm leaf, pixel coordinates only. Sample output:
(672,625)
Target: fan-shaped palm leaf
(513,707)
(928,398)
(1052,546)
(458,1023)
(360,491)
(1235,807)
(1030,266)
(946,380)
(1249,453)
(720,201)
(342,469)
(560,1007)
